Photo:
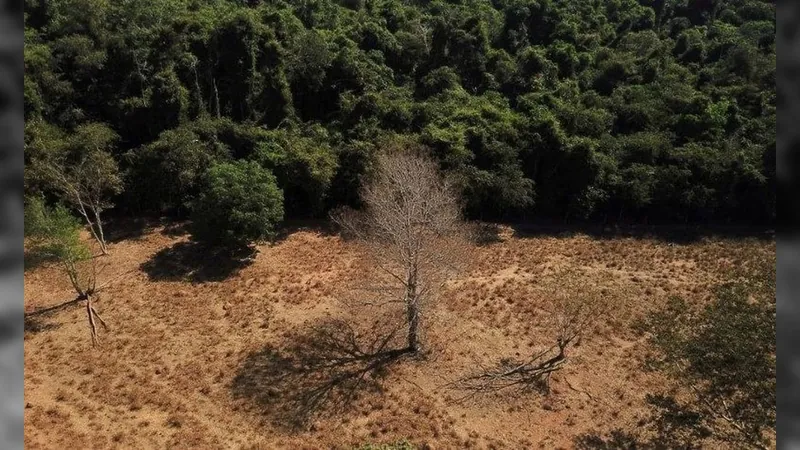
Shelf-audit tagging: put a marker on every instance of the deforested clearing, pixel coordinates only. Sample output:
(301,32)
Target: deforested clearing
(396,225)
(204,354)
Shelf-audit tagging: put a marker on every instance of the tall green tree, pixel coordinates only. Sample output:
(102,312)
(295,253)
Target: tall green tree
(239,204)
(84,174)
(617,109)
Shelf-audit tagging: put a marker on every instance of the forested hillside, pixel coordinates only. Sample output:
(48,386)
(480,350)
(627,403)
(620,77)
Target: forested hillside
(594,109)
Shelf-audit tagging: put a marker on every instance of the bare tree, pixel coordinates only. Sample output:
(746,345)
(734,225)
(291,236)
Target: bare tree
(411,231)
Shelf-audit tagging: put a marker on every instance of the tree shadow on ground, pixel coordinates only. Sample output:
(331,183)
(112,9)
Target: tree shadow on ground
(127,228)
(322,371)
(615,440)
(197,263)
(33,325)
(36,321)
(670,425)
(176,229)
(674,234)
(619,439)
(32,260)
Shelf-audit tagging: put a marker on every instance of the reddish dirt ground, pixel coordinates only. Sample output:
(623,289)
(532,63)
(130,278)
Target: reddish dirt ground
(180,367)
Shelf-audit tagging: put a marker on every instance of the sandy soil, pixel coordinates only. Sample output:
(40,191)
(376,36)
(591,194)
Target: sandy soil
(206,354)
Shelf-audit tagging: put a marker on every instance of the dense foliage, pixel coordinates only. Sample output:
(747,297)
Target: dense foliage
(53,233)
(239,203)
(648,109)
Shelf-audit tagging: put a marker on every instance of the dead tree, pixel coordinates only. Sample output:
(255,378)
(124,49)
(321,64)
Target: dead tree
(411,232)
(84,283)
(533,373)
(87,290)
(569,316)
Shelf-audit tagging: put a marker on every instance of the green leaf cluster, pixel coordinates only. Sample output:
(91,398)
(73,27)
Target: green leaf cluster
(598,109)
(239,203)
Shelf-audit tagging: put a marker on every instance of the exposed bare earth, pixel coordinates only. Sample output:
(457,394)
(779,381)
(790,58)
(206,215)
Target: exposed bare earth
(180,366)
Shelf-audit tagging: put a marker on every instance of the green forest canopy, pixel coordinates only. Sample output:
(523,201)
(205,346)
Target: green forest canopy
(657,109)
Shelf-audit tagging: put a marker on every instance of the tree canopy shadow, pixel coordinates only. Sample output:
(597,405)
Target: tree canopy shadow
(32,260)
(129,228)
(671,425)
(176,229)
(669,233)
(615,440)
(619,439)
(36,321)
(195,262)
(35,325)
(322,371)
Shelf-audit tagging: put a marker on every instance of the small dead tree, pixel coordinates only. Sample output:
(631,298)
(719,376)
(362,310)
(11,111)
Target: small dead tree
(411,231)
(84,281)
(570,312)
(86,175)
(52,233)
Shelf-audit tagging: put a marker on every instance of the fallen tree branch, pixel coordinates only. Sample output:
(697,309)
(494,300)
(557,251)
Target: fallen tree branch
(533,373)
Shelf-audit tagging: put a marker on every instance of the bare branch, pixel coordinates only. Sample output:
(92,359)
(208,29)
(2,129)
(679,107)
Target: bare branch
(410,231)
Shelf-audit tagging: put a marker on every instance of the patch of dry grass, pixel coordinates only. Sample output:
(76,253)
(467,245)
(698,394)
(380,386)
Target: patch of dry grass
(164,374)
